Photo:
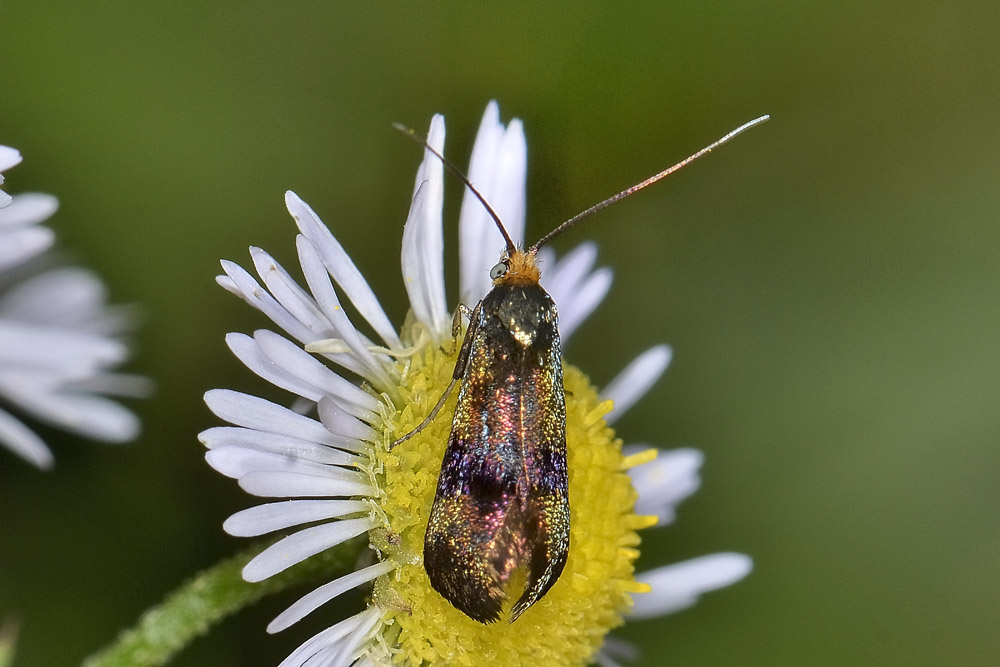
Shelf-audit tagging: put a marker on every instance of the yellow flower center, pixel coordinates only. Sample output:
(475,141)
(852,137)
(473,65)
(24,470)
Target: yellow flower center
(566,626)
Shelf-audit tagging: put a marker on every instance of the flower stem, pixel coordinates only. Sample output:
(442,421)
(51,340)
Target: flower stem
(211,596)
(8,640)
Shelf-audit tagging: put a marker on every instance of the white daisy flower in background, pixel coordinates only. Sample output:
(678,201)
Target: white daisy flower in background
(9,157)
(358,390)
(59,340)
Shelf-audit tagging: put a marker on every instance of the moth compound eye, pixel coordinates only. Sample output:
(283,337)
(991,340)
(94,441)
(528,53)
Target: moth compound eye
(499,270)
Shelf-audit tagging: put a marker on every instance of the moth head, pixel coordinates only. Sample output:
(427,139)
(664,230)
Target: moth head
(499,269)
(517,268)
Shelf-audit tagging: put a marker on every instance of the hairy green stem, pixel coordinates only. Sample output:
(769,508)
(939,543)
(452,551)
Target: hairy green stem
(8,640)
(207,599)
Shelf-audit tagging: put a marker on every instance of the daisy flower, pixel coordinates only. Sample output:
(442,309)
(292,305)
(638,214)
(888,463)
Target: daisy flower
(357,387)
(59,340)
(9,157)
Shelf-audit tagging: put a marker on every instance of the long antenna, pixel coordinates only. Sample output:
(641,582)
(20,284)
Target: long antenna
(511,248)
(639,186)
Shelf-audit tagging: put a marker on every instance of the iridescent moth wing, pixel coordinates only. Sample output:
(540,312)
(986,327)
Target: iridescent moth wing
(502,497)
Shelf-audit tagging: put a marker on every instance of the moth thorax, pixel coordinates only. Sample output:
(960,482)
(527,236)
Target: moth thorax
(522,269)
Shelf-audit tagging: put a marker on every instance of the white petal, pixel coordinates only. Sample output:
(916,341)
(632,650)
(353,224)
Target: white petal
(603,660)
(332,638)
(8,158)
(585,300)
(615,649)
(268,518)
(313,600)
(636,379)
(117,384)
(286,445)
(294,358)
(247,351)
(64,296)
(423,240)
(243,285)
(297,485)
(21,440)
(678,586)
(29,208)
(547,263)
(665,481)
(228,284)
(498,169)
(238,462)
(351,647)
(318,280)
(291,296)
(72,353)
(92,416)
(576,291)
(302,656)
(476,229)
(288,366)
(256,413)
(301,545)
(566,274)
(509,182)
(343,270)
(301,306)
(18,246)
(84,414)
(342,423)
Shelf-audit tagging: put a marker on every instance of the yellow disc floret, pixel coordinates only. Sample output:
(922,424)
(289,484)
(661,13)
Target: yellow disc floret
(570,622)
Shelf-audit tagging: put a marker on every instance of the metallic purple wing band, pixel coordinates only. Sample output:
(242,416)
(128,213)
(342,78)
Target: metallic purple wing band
(502,497)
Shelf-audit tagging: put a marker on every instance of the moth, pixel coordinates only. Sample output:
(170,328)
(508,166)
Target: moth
(502,500)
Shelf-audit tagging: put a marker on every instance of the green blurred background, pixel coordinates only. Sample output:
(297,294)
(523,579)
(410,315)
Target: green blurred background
(829,282)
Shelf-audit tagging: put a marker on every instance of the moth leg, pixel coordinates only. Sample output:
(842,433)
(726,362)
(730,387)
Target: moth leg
(460,364)
(456,326)
(338,346)
(434,412)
